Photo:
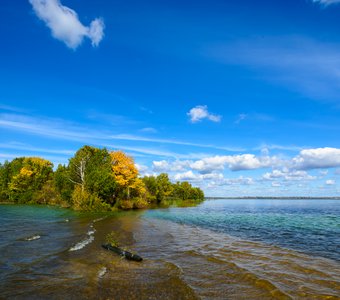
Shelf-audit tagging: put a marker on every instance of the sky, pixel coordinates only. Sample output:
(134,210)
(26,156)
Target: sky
(241,98)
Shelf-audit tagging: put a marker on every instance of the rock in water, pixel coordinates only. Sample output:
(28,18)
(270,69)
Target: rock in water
(128,255)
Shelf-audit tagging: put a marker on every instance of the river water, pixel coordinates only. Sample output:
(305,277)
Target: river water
(221,249)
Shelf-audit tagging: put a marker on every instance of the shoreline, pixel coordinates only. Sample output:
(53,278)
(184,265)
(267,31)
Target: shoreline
(272,198)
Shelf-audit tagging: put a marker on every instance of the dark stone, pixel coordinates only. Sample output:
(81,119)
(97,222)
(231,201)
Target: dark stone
(128,255)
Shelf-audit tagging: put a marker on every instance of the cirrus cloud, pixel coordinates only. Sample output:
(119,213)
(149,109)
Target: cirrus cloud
(65,25)
(326,2)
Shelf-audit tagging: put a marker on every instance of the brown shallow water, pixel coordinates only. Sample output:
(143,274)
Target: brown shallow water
(180,262)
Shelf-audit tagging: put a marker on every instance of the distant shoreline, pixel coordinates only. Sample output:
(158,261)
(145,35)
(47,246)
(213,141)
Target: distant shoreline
(272,198)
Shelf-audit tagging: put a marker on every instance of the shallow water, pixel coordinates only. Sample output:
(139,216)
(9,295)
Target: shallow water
(217,250)
(310,226)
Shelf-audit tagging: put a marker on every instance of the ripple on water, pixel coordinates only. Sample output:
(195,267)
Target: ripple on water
(33,237)
(89,239)
(214,264)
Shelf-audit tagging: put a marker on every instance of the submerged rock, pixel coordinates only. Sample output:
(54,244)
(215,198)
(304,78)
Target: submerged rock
(128,255)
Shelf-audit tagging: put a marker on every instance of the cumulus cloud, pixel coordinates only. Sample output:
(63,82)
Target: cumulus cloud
(191,176)
(308,159)
(211,172)
(142,168)
(288,175)
(165,166)
(326,2)
(200,112)
(65,25)
(212,164)
(231,181)
(317,158)
(234,162)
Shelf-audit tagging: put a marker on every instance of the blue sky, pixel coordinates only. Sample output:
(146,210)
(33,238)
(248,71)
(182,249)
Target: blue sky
(240,98)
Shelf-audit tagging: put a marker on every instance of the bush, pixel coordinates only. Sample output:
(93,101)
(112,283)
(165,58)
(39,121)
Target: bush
(125,204)
(140,203)
(85,201)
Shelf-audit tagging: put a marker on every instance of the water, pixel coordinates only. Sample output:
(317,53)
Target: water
(224,249)
(310,226)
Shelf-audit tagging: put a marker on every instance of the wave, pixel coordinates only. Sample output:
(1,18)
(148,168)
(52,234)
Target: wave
(89,239)
(99,219)
(102,272)
(33,237)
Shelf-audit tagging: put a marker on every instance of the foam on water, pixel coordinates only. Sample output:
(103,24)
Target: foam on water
(33,238)
(102,272)
(89,239)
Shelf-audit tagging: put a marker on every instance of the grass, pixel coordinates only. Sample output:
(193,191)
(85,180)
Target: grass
(111,239)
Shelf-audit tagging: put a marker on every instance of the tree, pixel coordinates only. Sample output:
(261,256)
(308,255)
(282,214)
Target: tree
(185,191)
(164,187)
(77,166)
(63,184)
(126,175)
(94,180)
(28,177)
(90,170)
(5,178)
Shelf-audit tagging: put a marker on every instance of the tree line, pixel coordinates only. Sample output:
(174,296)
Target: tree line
(93,180)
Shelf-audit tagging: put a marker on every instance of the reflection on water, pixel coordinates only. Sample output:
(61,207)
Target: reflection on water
(183,259)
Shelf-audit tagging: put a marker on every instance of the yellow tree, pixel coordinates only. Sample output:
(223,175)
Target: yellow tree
(33,173)
(126,173)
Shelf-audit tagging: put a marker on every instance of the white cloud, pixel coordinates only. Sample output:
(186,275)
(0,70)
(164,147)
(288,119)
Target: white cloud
(326,2)
(175,166)
(213,179)
(317,158)
(234,162)
(219,182)
(240,118)
(65,25)
(330,182)
(160,166)
(211,164)
(200,112)
(288,168)
(185,176)
(288,175)
(142,168)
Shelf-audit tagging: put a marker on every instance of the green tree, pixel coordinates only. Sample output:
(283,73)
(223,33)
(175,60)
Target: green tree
(90,171)
(29,174)
(164,187)
(63,184)
(151,187)
(5,178)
